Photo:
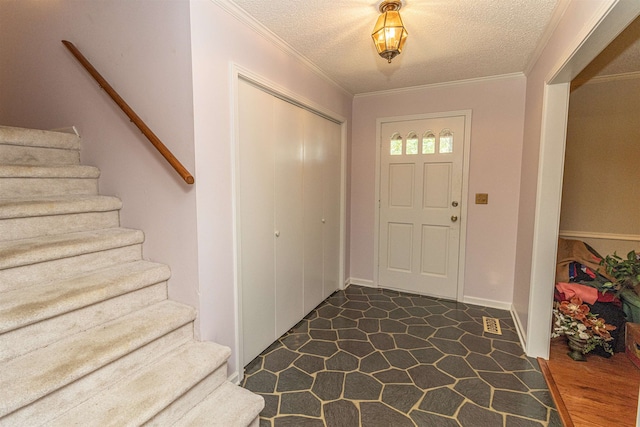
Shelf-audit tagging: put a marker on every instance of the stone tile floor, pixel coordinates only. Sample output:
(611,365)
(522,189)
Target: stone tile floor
(373,357)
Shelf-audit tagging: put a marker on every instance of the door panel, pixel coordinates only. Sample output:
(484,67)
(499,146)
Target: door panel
(420,203)
(332,202)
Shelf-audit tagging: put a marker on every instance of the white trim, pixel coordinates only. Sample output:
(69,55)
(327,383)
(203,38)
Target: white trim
(501,305)
(234,378)
(465,190)
(238,72)
(519,328)
(360,282)
(556,16)
(608,78)
(248,20)
(441,85)
(599,236)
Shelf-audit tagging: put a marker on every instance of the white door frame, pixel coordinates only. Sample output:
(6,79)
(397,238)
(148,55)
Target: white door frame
(587,46)
(464,198)
(239,72)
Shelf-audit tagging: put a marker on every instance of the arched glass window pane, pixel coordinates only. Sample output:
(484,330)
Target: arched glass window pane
(446,141)
(396,145)
(412,143)
(428,143)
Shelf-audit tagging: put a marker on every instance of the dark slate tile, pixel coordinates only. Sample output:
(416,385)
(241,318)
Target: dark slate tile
(369,325)
(471,415)
(352,334)
(354,290)
(328,311)
(293,379)
(508,347)
(410,342)
(323,334)
(497,313)
(439,321)
(359,386)
(320,323)
(510,362)
(264,423)
(442,401)
(301,327)
(300,403)
(393,376)
(475,390)
(359,298)
(507,335)
(503,380)
(476,344)
(261,382)
(276,345)
(533,379)
(453,305)
(341,413)
(390,325)
(554,419)
(356,305)
(420,301)
(413,321)
(296,421)
(337,299)
(522,422)
(343,323)
(280,359)
(480,362)
(449,332)
(401,397)
(402,301)
(423,419)
(456,366)
(544,397)
(384,305)
(328,385)
(417,311)
(342,361)
(391,293)
(373,363)
(399,313)
(449,347)
(427,376)
(319,348)
(310,364)
(254,366)
(438,309)
(400,358)
(376,313)
(376,414)
(427,355)
(378,297)
(271,405)
(458,315)
(357,348)
(352,314)
(313,313)
(421,331)
(371,291)
(477,313)
(522,404)
(382,341)
(295,341)
(473,328)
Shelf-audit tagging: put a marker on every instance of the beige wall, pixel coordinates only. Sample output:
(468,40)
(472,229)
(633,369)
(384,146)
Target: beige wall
(601,186)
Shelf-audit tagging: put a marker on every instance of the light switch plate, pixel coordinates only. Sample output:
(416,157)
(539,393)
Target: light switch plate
(482,198)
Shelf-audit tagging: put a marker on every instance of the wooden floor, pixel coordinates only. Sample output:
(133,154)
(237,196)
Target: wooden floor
(599,392)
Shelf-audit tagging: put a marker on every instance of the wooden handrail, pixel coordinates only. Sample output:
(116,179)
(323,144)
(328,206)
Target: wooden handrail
(166,153)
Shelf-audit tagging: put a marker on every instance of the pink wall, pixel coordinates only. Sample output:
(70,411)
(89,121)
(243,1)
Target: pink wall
(219,40)
(143,50)
(496,148)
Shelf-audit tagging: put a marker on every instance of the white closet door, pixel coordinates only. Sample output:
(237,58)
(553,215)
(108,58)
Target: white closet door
(289,137)
(256,208)
(314,158)
(331,207)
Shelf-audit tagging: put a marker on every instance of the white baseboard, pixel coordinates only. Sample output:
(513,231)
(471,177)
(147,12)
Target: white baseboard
(234,378)
(487,303)
(359,282)
(519,329)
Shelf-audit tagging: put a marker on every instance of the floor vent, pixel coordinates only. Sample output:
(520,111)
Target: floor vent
(491,325)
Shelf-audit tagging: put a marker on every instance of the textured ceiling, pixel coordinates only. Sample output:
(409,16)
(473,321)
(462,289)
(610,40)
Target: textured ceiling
(448,40)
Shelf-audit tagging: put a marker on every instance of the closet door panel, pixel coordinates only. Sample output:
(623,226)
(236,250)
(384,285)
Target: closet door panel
(332,181)
(256,218)
(288,231)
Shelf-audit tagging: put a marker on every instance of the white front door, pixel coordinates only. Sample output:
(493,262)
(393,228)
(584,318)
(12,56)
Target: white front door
(421,171)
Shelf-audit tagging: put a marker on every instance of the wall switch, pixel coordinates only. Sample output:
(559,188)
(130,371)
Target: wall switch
(482,198)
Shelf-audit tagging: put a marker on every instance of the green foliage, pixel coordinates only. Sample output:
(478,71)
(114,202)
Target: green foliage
(626,271)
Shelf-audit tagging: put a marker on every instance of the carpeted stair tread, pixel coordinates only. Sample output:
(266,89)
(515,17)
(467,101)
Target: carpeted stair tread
(57,205)
(61,171)
(38,138)
(228,405)
(137,399)
(30,251)
(36,374)
(33,304)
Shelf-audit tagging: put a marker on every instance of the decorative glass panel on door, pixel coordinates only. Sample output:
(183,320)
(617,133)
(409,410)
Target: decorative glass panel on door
(428,143)
(396,145)
(412,143)
(446,141)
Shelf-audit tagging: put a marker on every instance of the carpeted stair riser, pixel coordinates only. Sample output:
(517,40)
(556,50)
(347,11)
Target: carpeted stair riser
(37,156)
(60,401)
(60,268)
(38,138)
(154,389)
(67,360)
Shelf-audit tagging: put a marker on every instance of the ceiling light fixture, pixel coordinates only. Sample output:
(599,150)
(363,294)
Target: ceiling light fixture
(389,34)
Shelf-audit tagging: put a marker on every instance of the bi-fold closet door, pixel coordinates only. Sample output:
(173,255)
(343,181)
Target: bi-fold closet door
(289,184)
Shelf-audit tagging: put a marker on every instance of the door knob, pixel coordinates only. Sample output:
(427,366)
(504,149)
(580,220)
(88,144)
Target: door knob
(454,218)
(454,204)
(277,233)
(323,221)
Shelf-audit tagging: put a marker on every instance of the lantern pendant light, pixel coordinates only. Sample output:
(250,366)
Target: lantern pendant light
(389,34)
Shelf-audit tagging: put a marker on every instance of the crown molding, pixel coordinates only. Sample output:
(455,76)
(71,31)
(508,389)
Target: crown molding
(606,79)
(248,20)
(556,16)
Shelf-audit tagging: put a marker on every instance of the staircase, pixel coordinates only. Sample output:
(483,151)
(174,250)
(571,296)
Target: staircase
(87,334)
